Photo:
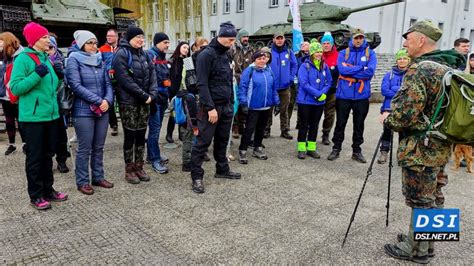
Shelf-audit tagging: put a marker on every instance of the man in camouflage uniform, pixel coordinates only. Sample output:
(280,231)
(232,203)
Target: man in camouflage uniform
(241,54)
(421,156)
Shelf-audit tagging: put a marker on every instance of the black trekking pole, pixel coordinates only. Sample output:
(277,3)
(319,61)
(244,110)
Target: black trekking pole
(390,166)
(369,173)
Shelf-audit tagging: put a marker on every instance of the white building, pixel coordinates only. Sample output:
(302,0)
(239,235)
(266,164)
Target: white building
(455,17)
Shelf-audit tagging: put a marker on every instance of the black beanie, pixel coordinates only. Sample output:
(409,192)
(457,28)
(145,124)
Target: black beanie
(257,54)
(227,30)
(159,37)
(133,31)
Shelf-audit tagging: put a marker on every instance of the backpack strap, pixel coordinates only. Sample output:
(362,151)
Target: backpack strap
(367,53)
(34,57)
(346,56)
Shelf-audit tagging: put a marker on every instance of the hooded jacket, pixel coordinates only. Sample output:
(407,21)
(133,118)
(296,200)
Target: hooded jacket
(89,80)
(162,69)
(359,68)
(137,82)
(37,95)
(391,83)
(312,83)
(330,58)
(258,91)
(284,66)
(214,76)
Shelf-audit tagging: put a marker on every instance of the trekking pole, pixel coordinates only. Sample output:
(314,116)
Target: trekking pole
(369,173)
(390,166)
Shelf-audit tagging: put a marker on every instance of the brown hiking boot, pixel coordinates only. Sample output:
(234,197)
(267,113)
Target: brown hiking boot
(141,173)
(383,157)
(130,174)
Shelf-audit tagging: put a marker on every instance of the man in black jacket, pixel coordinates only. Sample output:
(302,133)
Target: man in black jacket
(214,82)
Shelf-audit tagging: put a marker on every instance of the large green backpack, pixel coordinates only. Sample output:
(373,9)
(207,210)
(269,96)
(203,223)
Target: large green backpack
(457,96)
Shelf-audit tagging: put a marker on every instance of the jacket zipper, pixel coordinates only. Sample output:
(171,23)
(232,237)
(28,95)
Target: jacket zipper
(36,105)
(266,89)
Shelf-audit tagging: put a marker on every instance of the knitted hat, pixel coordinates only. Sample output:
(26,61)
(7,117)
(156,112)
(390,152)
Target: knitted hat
(227,30)
(401,54)
(133,31)
(53,41)
(257,54)
(159,37)
(314,47)
(82,36)
(33,32)
(327,37)
(242,33)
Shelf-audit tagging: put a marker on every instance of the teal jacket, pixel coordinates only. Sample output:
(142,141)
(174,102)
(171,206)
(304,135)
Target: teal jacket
(37,96)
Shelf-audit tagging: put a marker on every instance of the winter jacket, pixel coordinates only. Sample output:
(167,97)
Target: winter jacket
(242,57)
(257,88)
(162,70)
(3,68)
(391,83)
(135,86)
(360,70)
(214,76)
(330,58)
(89,81)
(37,95)
(312,83)
(284,66)
(176,75)
(107,52)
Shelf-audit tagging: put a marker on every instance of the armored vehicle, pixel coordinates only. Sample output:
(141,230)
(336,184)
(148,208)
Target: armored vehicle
(62,17)
(317,18)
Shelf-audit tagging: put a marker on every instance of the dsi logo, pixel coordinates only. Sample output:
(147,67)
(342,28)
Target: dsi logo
(436,224)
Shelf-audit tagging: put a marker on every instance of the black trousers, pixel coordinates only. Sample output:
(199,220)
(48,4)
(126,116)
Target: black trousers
(360,109)
(41,139)
(309,117)
(113,122)
(220,132)
(10,111)
(256,121)
(61,147)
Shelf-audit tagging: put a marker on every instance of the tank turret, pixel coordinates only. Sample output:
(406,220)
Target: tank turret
(317,18)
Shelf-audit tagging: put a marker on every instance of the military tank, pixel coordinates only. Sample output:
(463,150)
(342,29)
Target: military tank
(62,17)
(317,18)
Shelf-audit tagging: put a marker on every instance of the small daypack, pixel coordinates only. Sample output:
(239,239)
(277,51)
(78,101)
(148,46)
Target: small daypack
(8,75)
(181,109)
(457,97)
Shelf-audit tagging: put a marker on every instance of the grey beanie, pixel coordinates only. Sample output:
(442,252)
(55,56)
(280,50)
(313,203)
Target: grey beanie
(82,36)
(227,30)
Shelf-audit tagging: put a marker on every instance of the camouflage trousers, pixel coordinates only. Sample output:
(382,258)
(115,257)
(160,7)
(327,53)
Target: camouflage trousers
(134,122)
(186,135)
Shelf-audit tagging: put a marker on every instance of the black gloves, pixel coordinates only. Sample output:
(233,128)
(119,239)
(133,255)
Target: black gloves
(58,69)
(244,109)
(276,110)
(41,70)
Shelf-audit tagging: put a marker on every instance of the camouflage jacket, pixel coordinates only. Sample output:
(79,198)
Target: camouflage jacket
(413,106)
(242,59)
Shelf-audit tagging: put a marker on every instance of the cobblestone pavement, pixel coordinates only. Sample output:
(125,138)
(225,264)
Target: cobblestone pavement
(283,210)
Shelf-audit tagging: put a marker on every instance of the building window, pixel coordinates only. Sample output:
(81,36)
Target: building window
(463,31)
(156,12)
(213,7)
(240,5)
(198,9)
(213,33)
(466,5)
(188,8)
(166,10)
(412,21)
(441,25)
(273,3)
(226,6)
(444,1)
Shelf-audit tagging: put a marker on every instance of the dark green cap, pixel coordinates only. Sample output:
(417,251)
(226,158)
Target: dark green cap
(427,28)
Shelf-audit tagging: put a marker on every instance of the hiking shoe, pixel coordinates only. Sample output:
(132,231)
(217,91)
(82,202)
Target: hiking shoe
(159,167)
(130,174)
(357,156)
(86,189)
(333,155)
(198,187)
(57,196)
(243,157)
(186,167)
(228,175)
(164,159)
(286,135)
(62,167)
(141,174)
(404,238)
(103,183)
(114,131)
(314,154)
(301,155)
(169,139)
(266,134)
(206,158)
(259,153)
(463,162)
(394,252)
(10,149)
(383,157)
(40,204)
(325,140)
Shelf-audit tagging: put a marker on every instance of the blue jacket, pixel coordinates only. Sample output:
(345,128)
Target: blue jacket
(361,69)
(258,91)
(391,83)
(89,82)
(284,66)
(162,69)
(312,83)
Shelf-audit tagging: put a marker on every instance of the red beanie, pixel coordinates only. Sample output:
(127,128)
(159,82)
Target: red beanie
(33,32)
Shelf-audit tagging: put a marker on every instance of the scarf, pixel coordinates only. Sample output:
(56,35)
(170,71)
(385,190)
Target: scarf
(88,59)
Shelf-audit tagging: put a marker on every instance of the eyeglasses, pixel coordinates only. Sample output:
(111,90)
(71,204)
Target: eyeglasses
(91,43)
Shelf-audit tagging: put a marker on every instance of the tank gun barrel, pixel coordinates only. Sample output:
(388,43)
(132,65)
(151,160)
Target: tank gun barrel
(353,10)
